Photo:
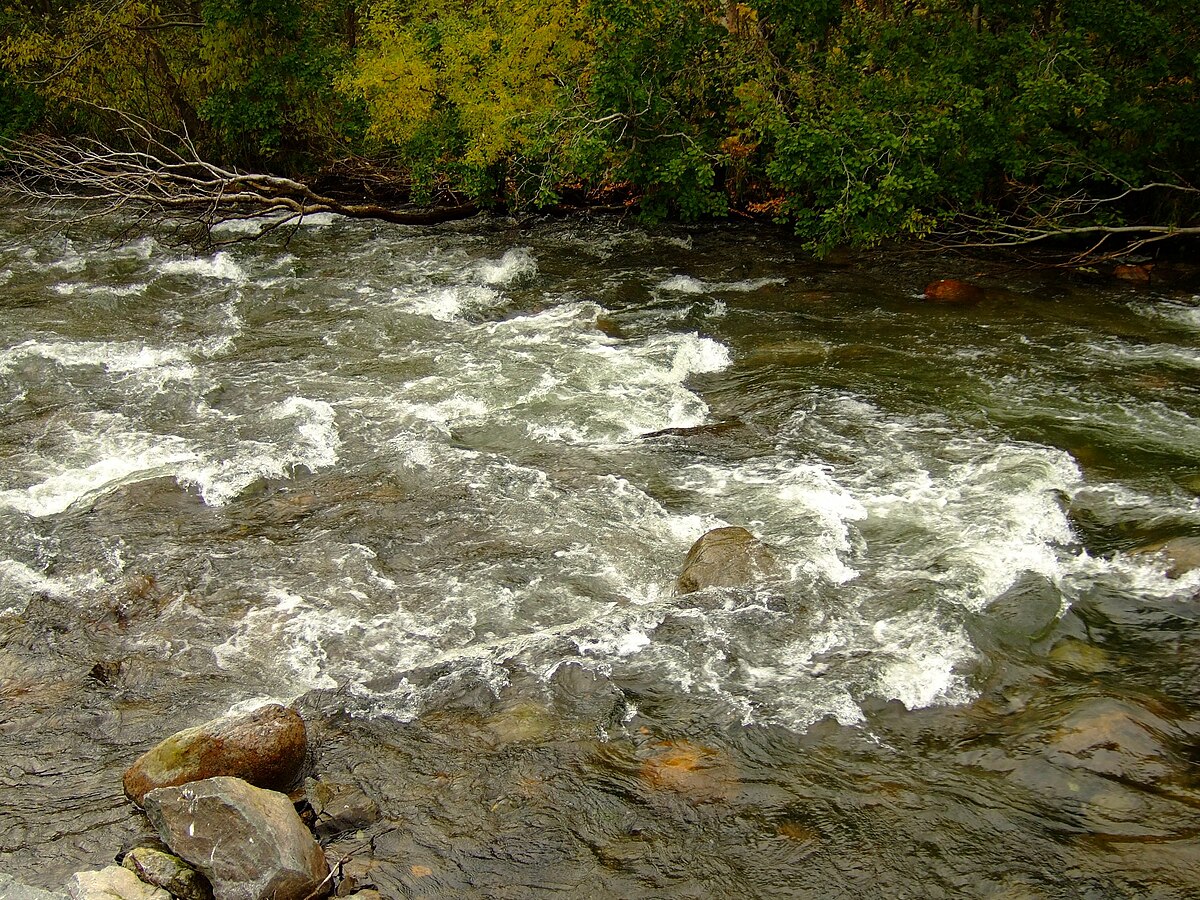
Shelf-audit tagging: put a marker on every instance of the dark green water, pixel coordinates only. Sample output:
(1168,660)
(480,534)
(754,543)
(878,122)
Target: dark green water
(405,478)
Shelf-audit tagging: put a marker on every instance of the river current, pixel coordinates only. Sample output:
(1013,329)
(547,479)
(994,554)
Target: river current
(435,486)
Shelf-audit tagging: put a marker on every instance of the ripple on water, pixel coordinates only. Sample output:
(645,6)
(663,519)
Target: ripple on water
(438,485)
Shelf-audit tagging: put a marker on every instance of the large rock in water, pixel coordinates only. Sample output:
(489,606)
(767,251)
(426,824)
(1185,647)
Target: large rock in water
(248,842)
(265,747)
(725,557)
(951,290)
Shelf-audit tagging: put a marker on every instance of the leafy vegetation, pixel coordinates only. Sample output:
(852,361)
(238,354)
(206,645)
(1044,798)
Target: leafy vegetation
(854,121)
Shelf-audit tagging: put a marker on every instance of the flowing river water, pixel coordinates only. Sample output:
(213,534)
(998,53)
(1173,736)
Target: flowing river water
(435,486)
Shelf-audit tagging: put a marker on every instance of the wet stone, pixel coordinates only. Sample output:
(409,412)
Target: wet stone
(248,842)
(113,883)
(728,557)
(1181,553)
(266,747)
(168,872)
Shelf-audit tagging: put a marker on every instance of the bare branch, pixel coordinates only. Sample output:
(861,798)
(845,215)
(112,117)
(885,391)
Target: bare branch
(167,178)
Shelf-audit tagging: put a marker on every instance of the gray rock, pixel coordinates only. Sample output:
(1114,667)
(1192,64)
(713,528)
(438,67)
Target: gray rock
(248,842)
(339,807)
(265,747)
(11,889)
(112,883)
(168,872)
(725,557)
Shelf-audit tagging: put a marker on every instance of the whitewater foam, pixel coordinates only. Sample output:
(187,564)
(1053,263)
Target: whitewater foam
(115,357)
(517,264)
(221,475)
(102,462)
(18,582)
(221,266)
(687,284)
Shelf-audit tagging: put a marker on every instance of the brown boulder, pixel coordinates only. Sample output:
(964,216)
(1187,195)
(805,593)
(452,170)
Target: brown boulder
(951,290)
(724,557)
(265,747)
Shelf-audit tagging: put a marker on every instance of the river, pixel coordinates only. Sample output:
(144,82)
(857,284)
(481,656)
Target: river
(435,486)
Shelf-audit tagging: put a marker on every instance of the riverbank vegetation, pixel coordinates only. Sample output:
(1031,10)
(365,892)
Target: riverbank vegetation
(852,121)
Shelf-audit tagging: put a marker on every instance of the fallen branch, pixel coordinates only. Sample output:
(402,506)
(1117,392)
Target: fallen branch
(1041,218)
(171,181)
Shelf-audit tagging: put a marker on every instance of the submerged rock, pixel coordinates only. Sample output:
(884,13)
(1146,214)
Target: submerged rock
(168,872)
(1183,553)
(339,807)
(699,773)
(1117,739)
(725,557)
(113,883)
(951,290)
(248,842)
(265,747)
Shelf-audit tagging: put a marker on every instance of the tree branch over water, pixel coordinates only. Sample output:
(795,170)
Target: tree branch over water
(1042,218)
(172,182)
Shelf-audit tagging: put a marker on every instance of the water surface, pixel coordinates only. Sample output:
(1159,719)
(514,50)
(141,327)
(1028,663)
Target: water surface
(435,485)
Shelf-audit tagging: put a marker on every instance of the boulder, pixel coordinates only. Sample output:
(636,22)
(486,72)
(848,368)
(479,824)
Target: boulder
(725,557)
(112,883)
(248,842)
(1182,553)
(265,747)
(168,872)
(951,290)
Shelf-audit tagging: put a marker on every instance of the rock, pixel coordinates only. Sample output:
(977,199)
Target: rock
(265,747)
(951,290)
(248,842)
(724,557)
(112,883)
(11,889)
(339,807)
(1139,274)
(1182,552)
(1117,739)
(168,872)
(699,773)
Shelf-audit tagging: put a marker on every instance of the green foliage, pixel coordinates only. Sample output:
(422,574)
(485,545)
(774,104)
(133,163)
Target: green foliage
(85,56)
(856,121)
(269,67)
(659,83)
(468,92)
